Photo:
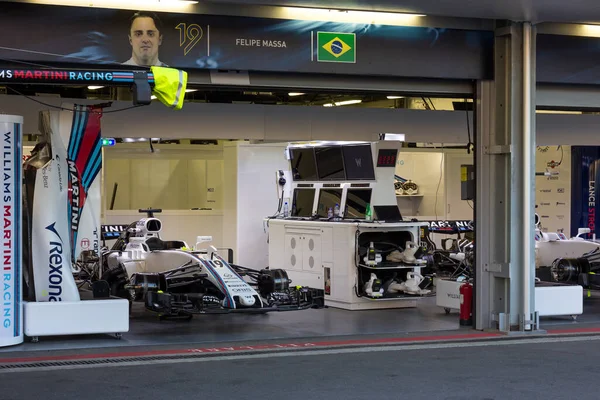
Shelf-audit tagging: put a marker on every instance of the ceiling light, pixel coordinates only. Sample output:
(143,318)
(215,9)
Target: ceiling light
(348,16)
(191,90)
(395,97)
(149,5)
(557,112)
(95,87)
(295,94)
(342,103)
(399,137)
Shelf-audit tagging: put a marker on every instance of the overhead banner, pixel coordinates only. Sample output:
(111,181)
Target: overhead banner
(86,35)
(568,59)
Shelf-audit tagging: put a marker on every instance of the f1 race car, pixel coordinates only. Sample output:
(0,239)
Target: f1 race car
(174,280)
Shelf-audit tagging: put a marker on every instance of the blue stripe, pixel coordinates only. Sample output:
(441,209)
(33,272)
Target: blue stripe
(17,239)
(92,173)
(222,285)
(75,133)
(228,266)
(74,128)
(93,162)
(79,134)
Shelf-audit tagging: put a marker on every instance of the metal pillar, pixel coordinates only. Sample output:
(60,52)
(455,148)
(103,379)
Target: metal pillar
(505,165)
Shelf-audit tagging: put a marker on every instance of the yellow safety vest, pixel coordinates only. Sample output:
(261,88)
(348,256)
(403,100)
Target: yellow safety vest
(169,86)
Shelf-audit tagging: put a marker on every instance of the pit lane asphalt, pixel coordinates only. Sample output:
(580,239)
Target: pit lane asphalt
(542,368)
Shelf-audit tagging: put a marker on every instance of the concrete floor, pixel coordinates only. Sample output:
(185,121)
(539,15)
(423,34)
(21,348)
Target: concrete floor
(146,330)
(502,370)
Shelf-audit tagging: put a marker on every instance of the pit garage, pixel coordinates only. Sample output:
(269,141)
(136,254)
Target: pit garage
(347,199)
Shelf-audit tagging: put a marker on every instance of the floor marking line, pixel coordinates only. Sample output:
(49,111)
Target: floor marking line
(315,353)
(456,338)
(223,349)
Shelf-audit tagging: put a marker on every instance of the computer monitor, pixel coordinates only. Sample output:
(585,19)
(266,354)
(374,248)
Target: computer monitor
(387,213)
(356,203)
(330,163)
(328,198)
(358,162)
(302,202)
(303,164)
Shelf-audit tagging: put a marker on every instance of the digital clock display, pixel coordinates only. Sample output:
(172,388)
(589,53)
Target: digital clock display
(387,158)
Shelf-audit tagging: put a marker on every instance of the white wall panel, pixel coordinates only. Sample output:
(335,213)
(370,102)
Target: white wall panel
(230,196)
(178,225)
(214,184)
(117,171)
(197,183)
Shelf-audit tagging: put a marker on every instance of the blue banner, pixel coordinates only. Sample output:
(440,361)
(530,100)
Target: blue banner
(585,176)
(87,36)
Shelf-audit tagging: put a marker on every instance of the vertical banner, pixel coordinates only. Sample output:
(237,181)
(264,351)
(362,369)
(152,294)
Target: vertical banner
(554,189)
(50,220)
(82,132)
(11,328)
(584,173)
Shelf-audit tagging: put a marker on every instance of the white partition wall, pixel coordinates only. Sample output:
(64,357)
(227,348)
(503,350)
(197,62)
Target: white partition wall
(250,195)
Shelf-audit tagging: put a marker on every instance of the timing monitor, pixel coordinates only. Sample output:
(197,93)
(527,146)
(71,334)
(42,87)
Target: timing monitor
(328,198)
(358,160)
(387,213)
(303,164)
(330,163)
(356,203)
(302,202)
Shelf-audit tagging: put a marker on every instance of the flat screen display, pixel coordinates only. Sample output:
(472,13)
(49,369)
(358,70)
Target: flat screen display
(358,161)
(302,203)
(330,163)
(303,164)
(356,203)
(328,198)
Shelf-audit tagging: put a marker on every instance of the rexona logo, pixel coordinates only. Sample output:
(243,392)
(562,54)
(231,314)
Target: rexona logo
(55,266)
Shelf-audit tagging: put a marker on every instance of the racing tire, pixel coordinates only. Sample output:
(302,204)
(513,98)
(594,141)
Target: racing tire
(117,280)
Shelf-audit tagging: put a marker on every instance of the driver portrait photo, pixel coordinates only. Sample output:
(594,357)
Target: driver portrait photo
(145,38)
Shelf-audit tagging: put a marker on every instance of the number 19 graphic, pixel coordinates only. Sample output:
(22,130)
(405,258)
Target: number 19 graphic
(189,35)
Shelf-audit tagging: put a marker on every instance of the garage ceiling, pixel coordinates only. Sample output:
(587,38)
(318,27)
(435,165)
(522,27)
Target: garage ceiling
(531,10)
(581,11)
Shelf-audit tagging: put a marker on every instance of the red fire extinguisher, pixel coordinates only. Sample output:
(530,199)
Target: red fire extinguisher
(466,304)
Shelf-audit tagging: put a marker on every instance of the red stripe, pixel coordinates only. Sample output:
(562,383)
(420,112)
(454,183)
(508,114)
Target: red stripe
(331,343)
(228,349)
(92,129)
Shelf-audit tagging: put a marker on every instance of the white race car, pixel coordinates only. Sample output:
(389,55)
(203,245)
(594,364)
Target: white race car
(175,280)
(569,260)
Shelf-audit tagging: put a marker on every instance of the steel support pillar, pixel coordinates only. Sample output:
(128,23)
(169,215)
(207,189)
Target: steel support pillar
(505,170)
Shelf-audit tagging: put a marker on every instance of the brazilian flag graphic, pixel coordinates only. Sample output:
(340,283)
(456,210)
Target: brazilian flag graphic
(336,47)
